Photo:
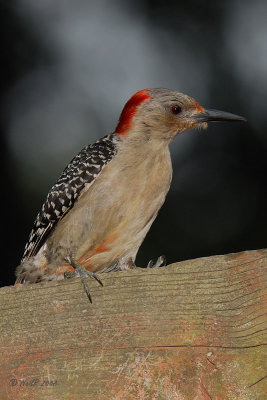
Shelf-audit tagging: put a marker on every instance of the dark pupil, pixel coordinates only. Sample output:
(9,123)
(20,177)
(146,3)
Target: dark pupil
(176,109)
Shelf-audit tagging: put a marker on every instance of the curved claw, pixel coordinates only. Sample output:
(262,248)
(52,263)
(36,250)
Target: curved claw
(94,276)
(83,274)
(161,262)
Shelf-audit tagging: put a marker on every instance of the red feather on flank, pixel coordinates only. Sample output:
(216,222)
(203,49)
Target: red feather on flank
(130,110)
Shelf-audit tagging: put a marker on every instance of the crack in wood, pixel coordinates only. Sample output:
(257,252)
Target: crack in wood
(259,380)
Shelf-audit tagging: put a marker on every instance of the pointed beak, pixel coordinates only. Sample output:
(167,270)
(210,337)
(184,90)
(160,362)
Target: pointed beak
(217,116)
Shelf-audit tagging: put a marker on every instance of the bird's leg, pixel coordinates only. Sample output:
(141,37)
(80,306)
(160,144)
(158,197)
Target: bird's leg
(129,264)
(83,274)
(111,268)
(161,262)
(120,266)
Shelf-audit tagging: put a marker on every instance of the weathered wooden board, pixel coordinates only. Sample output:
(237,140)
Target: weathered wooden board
(192,330)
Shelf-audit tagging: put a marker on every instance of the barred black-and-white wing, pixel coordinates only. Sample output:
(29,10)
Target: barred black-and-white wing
(79,173)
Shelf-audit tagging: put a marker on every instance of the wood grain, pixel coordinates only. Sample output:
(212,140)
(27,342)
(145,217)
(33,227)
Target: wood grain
(192,330)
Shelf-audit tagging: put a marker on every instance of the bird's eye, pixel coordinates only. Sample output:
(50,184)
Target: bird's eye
(176,109)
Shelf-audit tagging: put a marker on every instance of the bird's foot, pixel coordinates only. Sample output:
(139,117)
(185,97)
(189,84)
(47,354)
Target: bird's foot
(83,274)
(161,262)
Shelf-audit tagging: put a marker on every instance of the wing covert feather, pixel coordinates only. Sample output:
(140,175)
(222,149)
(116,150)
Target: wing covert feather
(79,173)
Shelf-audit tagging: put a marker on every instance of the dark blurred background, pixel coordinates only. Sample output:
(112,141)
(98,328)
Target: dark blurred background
(67,68)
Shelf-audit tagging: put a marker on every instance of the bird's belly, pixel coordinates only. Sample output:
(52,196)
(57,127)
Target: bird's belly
(112,217)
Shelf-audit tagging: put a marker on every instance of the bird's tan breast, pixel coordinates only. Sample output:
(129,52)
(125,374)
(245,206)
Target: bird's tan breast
(115,210)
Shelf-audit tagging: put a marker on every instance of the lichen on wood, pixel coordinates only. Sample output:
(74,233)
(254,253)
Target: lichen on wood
(191,330)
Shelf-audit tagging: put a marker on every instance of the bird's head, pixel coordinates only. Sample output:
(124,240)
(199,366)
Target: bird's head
(162,114)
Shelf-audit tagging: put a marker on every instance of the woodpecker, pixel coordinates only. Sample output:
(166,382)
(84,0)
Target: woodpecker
(98,213)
